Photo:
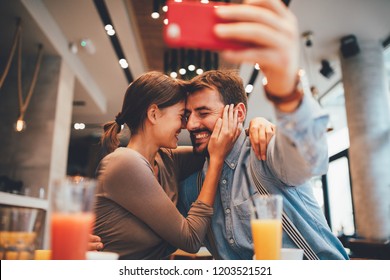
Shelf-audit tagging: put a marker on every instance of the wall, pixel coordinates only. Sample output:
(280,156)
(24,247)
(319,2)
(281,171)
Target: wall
(30,156)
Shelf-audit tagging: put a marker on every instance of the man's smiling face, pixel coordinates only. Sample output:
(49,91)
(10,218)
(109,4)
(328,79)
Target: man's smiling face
(203,108)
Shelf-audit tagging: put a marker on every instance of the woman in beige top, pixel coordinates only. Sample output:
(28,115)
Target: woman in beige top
(136,213)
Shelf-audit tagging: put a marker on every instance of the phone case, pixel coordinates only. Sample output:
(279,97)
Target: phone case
(190,25)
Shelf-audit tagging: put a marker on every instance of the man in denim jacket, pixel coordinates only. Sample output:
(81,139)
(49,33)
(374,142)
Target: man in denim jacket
(296,153)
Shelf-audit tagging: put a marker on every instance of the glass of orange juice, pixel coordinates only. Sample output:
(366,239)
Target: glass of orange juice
(266,223)
(72,217)
(20,229)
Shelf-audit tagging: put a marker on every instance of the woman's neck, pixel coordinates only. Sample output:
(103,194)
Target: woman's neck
(144,146)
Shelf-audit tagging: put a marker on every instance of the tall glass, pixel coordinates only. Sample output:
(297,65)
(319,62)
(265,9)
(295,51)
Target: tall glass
(19,232)
(72,217)
(266,223)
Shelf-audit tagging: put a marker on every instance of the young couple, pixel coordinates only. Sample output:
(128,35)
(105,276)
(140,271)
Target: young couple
(138,185)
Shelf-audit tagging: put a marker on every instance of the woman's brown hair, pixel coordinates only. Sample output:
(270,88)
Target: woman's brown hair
(150,88)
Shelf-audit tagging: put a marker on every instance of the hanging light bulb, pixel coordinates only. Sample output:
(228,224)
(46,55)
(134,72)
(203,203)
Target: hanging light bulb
(20,125)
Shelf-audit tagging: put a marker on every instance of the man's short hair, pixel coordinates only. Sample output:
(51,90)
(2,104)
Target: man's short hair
(227,82)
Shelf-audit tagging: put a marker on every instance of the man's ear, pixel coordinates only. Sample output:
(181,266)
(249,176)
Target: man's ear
(240,107)
(152,113)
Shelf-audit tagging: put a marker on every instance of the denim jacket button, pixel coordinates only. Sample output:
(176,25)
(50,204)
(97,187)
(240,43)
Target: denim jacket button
(227,211)
(231,240)
(224,181)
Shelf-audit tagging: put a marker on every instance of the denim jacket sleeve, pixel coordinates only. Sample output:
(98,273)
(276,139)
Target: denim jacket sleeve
(299,149)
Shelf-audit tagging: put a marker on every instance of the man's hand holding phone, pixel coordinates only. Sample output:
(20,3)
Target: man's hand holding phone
(272,29)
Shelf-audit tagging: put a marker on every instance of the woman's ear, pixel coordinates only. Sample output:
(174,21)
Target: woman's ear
(240,107)
(153,113)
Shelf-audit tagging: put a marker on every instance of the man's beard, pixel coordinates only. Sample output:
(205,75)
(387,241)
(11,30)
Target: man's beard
(204,152)
(195,145)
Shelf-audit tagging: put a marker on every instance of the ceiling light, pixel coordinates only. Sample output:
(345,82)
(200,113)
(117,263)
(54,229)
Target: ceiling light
(111,32)
(20,125)
(165,8)
(108,27)
(182,71)
(156,8)
(173,74)
(79,126)
(191,67)
(199,71)
(249,88)
(155,15)
(123,63)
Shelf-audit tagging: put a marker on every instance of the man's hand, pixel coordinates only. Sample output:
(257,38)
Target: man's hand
(260,133)
(273,31)
(94,243)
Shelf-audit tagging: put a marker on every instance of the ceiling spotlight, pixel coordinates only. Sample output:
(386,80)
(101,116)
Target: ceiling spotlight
(308,37)
(326,70)
(155,15)
(182,71)
(199,71)
(79,126)
(156,8)
(108,27)
(249,88)
(123,63)
(173,75)
(165,8)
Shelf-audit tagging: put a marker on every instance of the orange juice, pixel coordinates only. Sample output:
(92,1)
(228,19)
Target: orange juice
(42,255)
(69,235)
(267,238)
(18,245)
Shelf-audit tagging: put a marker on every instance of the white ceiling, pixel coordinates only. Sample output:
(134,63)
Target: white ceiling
(100,80)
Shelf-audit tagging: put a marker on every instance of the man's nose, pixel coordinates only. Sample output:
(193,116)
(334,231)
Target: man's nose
(192,122)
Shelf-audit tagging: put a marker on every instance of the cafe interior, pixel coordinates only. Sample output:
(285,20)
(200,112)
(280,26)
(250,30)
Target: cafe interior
(65,65)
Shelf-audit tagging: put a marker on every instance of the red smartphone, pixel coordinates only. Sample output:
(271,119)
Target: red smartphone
(190,25)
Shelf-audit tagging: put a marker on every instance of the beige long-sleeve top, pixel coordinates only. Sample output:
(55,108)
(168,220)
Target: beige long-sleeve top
(136,216)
